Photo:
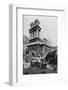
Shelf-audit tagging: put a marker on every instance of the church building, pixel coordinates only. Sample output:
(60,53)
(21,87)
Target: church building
(36,46)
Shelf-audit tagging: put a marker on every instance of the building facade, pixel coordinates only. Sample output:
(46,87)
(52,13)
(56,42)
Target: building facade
(36,46)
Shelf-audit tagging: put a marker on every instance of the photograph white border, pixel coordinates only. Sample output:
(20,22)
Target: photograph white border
(15,76)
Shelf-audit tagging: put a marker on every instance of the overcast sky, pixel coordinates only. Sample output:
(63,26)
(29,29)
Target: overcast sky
(48,26)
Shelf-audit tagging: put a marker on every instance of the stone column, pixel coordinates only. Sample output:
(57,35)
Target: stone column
(34,34)
(37,33)
(30,35)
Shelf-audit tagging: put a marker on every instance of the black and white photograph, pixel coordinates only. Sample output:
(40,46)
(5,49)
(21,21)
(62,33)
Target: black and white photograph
(37,43)
(40,54)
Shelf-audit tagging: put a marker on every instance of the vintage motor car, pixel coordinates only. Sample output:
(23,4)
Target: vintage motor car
(35,62)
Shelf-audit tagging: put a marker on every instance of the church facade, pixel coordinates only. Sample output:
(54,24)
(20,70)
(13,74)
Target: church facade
(36,46)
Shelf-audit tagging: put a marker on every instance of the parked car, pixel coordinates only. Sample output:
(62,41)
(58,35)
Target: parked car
(35,62)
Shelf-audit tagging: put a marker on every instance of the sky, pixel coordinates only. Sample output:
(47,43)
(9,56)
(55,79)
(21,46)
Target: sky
(48,26)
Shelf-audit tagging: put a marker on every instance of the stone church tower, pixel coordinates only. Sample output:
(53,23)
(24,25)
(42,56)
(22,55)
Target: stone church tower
(34,31)
(36,46)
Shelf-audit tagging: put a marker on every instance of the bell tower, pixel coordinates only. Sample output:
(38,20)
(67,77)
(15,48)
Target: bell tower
(34,31)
